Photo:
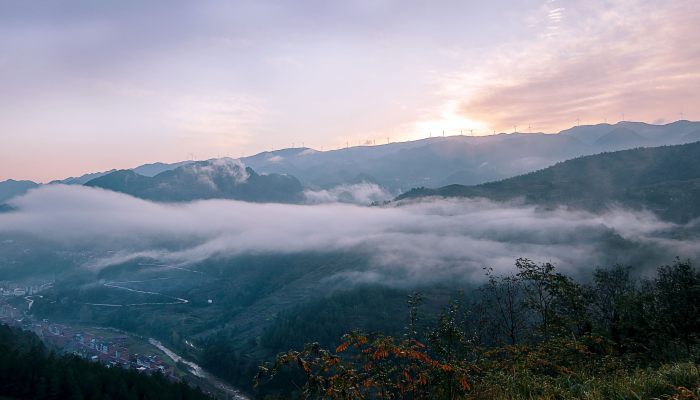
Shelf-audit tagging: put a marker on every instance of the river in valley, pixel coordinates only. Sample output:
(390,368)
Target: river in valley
(231,392)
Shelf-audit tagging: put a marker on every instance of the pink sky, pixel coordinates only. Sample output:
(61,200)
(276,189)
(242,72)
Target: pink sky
(91,86)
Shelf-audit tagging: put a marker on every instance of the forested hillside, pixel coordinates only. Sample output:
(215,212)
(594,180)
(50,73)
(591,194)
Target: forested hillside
(665,180)
(534,333)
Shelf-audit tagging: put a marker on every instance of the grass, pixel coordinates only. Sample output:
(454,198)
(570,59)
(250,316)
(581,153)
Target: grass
(669,381)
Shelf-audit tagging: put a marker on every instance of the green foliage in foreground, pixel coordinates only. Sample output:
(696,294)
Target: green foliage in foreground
(533,334)
(29,371)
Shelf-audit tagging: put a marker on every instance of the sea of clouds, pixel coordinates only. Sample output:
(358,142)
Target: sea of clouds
(420,241)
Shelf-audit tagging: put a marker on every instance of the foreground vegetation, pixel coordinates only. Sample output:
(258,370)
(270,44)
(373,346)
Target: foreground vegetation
(29,371)
(532,334)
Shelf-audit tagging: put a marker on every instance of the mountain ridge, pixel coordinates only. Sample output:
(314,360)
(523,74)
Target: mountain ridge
(665,180)
(218,179)
(440,161)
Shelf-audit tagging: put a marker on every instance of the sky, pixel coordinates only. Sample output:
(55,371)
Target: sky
(89,86)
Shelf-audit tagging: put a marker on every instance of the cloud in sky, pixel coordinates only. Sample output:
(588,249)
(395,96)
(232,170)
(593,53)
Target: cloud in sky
(417,242)
(593,61)
(91,86)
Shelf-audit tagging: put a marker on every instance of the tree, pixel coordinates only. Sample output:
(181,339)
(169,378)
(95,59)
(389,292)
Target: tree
(677,303)
(504,297)
(611,288)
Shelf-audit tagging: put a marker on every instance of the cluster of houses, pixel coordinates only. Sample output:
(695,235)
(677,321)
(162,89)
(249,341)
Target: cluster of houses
(111,351)
(15,289)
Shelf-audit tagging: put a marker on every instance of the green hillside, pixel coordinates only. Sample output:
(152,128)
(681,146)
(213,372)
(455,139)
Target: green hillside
(534,333)
(665,180)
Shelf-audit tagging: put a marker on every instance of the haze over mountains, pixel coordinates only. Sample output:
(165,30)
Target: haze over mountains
(433,162)
(657,188)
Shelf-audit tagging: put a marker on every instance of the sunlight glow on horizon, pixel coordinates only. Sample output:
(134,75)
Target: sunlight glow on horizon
(95,86)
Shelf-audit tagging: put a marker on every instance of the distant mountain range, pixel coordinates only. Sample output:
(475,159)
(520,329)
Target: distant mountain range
(223,178)
(464,160)
(433,162)
(145,170)
(678,132)
(665,180)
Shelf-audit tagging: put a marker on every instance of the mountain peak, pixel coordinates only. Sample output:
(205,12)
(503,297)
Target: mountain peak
(223,178)
(621,137)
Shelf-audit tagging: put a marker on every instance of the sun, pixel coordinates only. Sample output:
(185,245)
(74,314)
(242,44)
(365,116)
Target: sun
(450,124)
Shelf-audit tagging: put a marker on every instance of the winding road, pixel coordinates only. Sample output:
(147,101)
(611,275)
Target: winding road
(118,285)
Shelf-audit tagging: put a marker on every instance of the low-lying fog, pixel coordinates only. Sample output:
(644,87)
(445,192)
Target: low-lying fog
(423,241)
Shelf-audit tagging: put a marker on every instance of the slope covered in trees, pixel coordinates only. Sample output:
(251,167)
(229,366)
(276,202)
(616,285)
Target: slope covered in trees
(665,180)
(29,371)
(531,334)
